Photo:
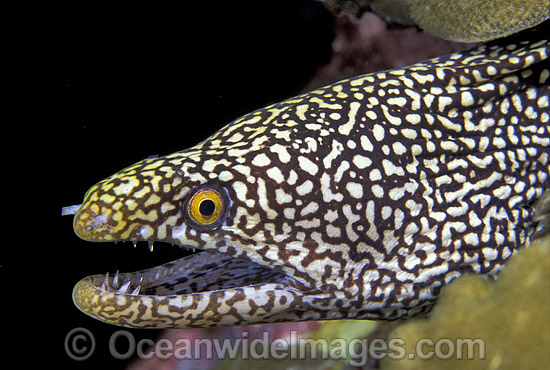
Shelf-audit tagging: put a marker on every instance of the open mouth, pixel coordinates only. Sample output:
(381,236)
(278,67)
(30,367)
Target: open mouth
(202,271)
(205,288)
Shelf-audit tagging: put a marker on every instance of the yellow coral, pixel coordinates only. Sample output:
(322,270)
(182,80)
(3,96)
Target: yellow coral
(456,20)
(510,316)
(477,20)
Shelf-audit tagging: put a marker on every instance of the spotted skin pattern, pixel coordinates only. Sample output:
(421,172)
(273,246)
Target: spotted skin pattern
(357,200)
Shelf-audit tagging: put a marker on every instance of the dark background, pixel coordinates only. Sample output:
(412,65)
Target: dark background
(100,87)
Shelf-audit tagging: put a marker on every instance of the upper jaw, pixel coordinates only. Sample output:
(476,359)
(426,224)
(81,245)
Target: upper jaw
(101,226)
(96,222)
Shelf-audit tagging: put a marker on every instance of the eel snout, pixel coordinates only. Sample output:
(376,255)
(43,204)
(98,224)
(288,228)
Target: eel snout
(204,289)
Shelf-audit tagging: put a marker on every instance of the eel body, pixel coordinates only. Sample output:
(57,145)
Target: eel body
(357,200)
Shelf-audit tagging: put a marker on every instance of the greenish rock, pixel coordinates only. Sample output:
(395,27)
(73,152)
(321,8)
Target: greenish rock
(460,20)
(393,11)
(508,319)
(477,20)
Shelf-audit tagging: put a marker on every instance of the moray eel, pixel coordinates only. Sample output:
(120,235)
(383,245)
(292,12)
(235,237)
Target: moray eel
(357,200)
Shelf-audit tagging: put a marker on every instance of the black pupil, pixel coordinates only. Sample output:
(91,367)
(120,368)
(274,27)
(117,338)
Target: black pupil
(207,207)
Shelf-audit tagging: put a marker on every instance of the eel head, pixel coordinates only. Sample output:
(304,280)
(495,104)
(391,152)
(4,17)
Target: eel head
(357,200)
(254,229)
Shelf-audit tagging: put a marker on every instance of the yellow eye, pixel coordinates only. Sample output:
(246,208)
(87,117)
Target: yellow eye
(206,207)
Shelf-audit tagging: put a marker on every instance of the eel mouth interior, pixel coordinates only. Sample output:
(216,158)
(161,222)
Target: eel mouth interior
(202,271)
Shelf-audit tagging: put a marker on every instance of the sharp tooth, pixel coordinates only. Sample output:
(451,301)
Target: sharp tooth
(105,284)
(136,291)
(115,279)
(135,243)
(123,288)
(151,246)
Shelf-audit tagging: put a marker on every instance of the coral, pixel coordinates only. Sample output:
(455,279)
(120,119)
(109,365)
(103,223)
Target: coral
(477,20)
(510,315)
(459,20)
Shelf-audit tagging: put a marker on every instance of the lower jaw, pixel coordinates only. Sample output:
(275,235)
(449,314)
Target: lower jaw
(202,290)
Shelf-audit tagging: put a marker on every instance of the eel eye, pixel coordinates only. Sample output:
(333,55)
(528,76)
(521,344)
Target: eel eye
(206,207)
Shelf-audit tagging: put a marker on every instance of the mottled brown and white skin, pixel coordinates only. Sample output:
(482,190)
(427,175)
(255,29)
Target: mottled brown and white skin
(358,200)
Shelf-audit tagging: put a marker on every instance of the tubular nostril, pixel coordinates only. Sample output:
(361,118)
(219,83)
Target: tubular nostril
(70,210)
